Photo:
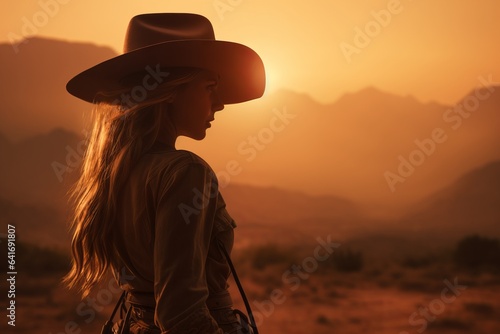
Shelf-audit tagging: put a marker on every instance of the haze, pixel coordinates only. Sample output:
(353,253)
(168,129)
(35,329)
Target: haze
(433,50)
(362,82)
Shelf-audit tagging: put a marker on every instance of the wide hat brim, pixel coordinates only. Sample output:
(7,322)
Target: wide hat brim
(241,70)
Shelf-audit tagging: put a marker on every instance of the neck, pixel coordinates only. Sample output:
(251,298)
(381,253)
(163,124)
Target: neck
(167,141)
(168,135)
(168,132)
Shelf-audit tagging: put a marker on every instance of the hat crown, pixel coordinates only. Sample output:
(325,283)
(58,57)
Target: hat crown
(149,29)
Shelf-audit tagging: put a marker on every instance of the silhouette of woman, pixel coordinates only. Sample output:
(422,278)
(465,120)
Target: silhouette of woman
(148,212)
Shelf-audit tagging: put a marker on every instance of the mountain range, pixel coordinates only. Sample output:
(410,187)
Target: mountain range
(470,204)
(33,85)
(350,148)
(34,196)
(305,168)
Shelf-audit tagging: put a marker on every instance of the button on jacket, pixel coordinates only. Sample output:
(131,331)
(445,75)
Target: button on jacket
(170,213)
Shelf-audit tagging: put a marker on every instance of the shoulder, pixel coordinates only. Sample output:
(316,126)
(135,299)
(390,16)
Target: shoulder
(188,157)
(175,164)
(180,159)
(178,175)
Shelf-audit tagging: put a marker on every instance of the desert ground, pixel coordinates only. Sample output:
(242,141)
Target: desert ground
(293,289)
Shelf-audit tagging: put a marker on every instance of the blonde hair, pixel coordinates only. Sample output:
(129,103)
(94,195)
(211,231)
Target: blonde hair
(120,135)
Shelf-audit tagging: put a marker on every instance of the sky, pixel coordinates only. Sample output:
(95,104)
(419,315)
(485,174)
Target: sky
(433,50)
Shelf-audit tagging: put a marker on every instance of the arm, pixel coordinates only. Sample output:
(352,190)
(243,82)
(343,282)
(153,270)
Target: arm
(184,221)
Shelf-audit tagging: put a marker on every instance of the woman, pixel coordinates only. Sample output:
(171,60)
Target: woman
(151,213)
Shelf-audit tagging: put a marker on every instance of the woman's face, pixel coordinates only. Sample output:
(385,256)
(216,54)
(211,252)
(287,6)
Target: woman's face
(195,104)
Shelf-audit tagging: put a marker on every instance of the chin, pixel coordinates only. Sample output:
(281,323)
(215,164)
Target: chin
(198,136)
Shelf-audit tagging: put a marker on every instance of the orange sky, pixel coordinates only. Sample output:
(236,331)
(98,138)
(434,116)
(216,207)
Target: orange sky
(434,50)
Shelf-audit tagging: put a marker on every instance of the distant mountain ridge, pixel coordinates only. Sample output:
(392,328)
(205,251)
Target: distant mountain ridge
(29,171)
(468,206)
(32,197)
(38,224)
(372,94)
(286,139)
(33,91)
(344,148)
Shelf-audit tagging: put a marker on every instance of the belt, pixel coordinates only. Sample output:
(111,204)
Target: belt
(223,316)
(144,314)
(147,301)
(142,299)
(219,300)
(219,305)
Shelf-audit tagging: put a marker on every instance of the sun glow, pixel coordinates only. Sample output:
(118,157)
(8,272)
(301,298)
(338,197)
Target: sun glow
(272,80)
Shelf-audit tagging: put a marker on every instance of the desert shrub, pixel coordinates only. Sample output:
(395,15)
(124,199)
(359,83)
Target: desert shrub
(476,252)
(323,320)
(396,275)
(267,281)
(271,254)
(347,260)
(450,323)
(374,273)
(480,308)
(33,259)
(416,285)
(355,320)
(416,262)
(335,294)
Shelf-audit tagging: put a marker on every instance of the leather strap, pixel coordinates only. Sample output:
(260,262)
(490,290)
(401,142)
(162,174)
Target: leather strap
(107,328)
(240,287)
(125,323)
(142,299)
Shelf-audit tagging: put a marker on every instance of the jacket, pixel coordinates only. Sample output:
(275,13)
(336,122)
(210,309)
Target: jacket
(171,211)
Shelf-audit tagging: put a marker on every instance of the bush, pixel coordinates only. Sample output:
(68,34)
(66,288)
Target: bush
(270,255)
(417,262)
(323,320)
(35,260)
(475,252)
(485,309)
(39,260)
(451,323)
(347,260)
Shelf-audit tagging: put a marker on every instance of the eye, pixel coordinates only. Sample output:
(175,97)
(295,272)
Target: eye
(212,86)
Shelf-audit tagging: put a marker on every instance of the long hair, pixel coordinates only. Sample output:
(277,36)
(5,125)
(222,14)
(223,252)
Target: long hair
(121,133)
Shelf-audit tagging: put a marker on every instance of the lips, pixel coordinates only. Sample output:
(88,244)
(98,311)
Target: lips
(208,123)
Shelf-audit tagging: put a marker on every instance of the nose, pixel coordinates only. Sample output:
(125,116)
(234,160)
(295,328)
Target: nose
(217,104)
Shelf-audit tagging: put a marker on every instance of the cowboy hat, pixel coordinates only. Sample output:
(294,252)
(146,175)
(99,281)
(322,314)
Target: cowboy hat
(167,40)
